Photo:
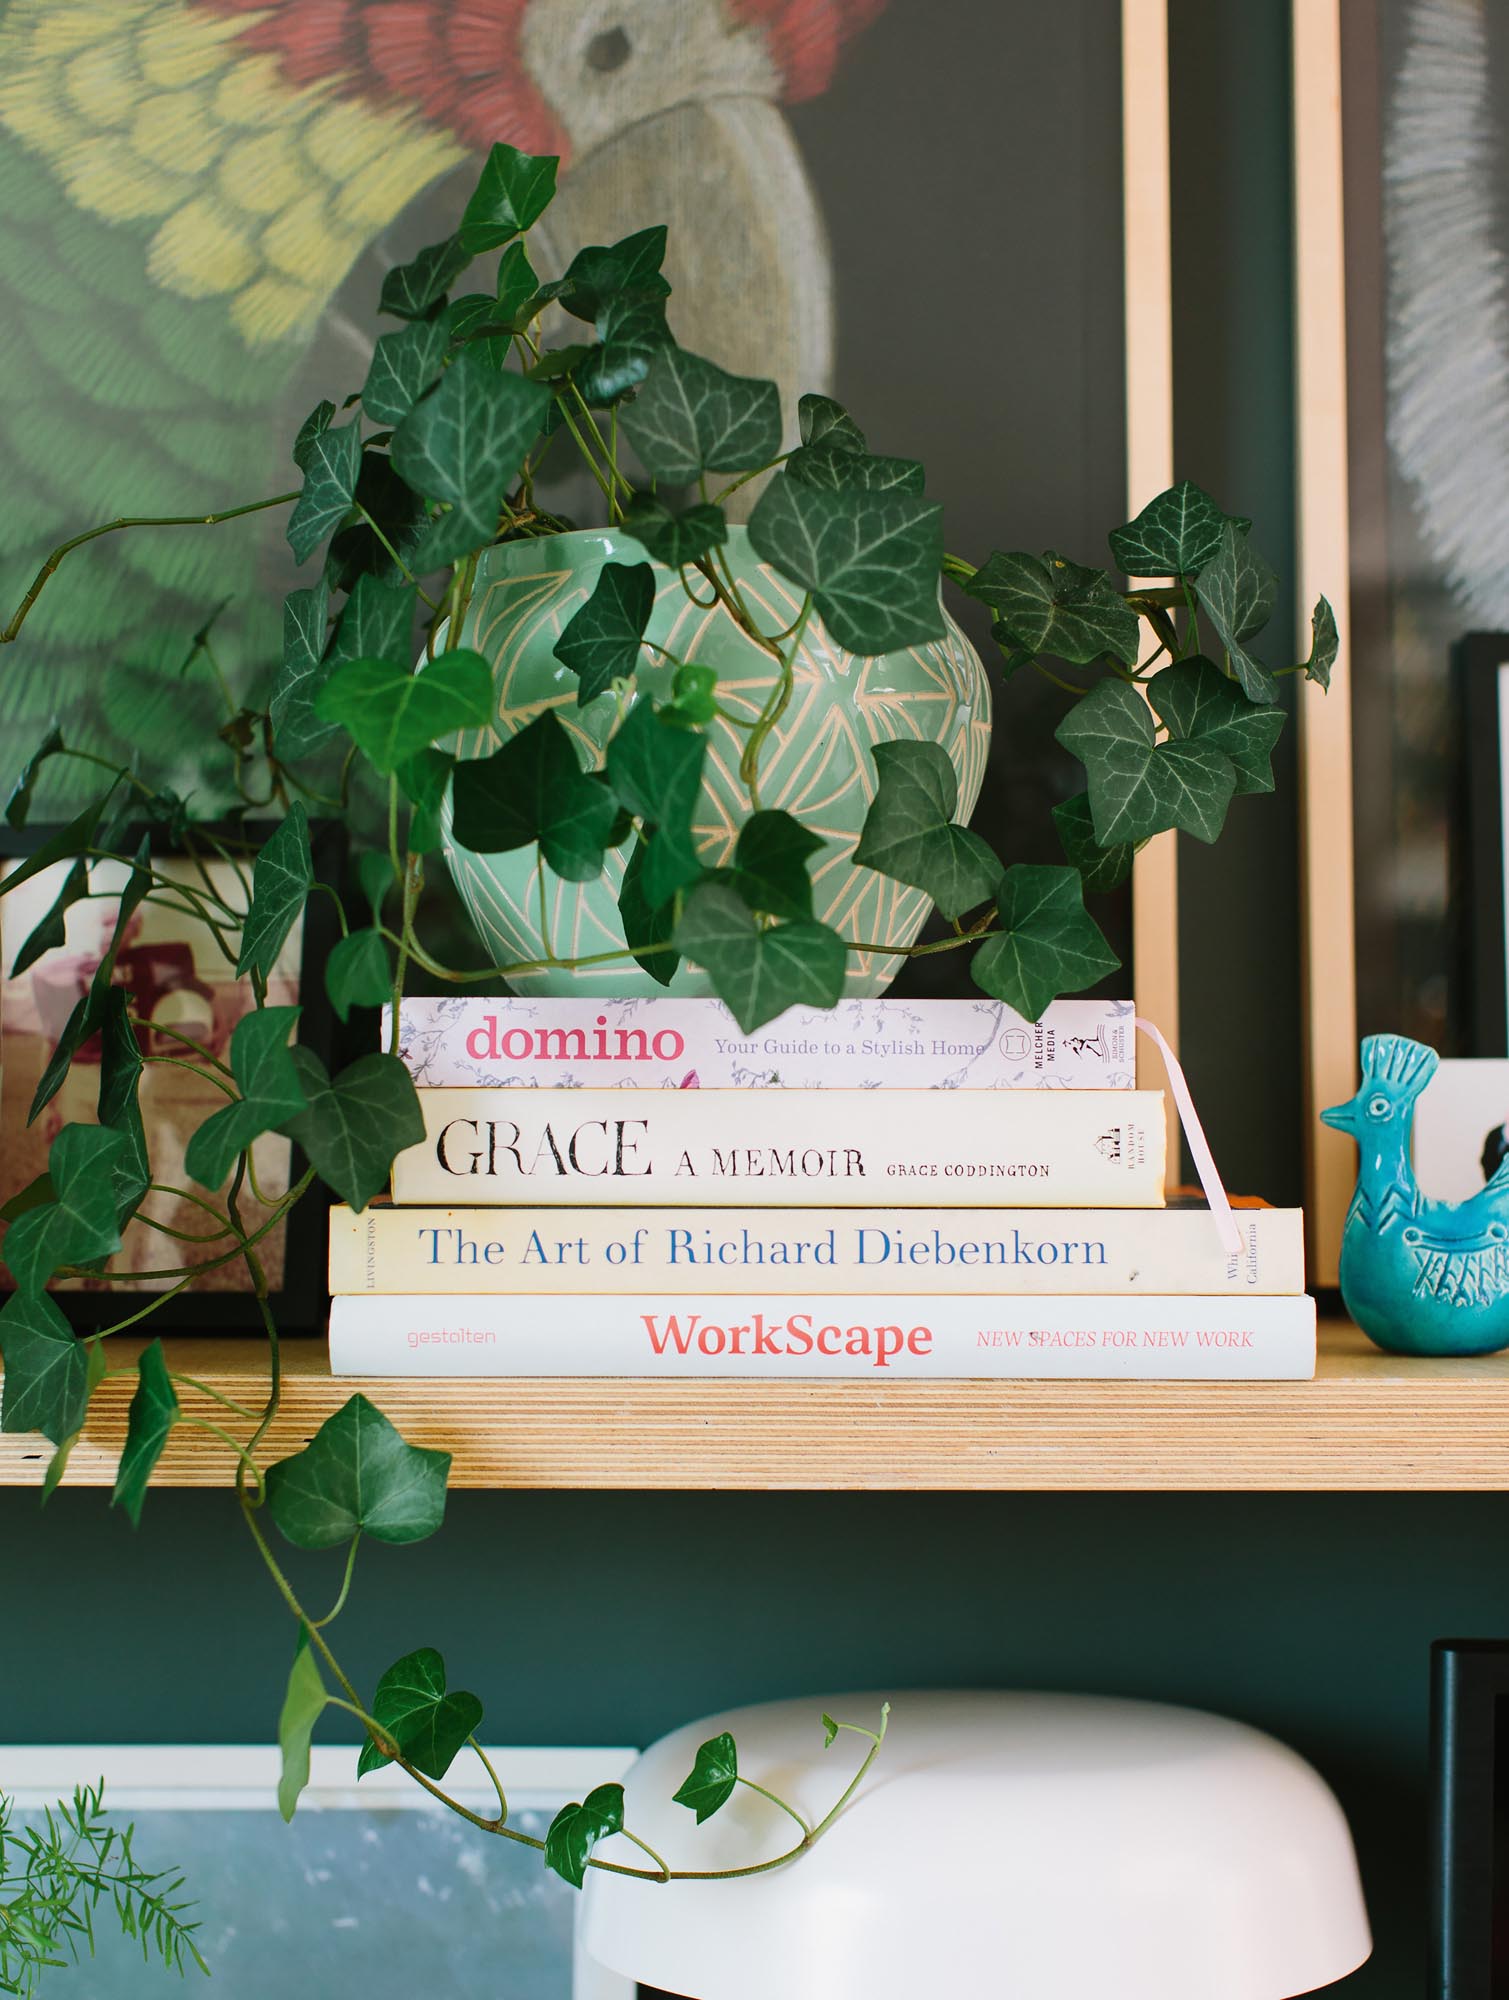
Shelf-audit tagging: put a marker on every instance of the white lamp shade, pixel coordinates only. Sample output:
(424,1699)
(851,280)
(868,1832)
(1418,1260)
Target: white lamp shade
(1003,1847)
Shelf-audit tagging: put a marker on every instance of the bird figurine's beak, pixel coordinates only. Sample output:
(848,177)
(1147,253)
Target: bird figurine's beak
(1342,1117)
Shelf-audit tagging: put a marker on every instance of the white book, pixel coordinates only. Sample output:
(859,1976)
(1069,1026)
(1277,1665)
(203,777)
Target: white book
(676,1044)
(872,1335)
(930,1250)
(844,1148)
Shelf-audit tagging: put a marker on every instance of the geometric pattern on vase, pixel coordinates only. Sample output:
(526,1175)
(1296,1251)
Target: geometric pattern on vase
(816,762)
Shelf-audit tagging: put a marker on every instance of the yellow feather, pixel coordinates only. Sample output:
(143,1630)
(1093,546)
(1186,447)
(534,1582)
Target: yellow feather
(345,137)
(180,45)
(262,173)
(275,309)
(174,129)
(202,251)
(101,175)
(55,31)
(101,84)
(368,202)
(301,242)
(252,93)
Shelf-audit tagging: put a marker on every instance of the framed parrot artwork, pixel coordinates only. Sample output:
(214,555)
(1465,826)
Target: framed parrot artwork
(916,204)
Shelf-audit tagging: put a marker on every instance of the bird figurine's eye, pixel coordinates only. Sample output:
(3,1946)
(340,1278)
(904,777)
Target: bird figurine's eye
(1378,1107)
(608,51)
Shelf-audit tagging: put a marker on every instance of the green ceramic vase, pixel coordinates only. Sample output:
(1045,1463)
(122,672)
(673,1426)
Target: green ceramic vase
(816,762)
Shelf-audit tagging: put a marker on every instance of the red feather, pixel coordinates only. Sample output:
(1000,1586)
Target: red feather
(461,65)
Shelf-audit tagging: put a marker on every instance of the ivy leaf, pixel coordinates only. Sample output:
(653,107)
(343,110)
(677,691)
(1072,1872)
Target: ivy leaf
(297,731)
(759,972)
(675,539)
(428,1725)
(871,560)
(351,1129)
(578,1827)
(631,331)
(90,1012)
(357,973)
(358,550)
(1200,704)
(413,290)
(330,458)
(830,1730)
(375,624)
(909,832)
(1236,591)
(655,770)
(1325,644)
(303,1704)
(1138,786)
(18,805)
(357,1475)
(517,287)
(423,781)
(1101,869)
(710,1783)
(835,468)
(1055,606)
(1176,534)
(67,844)
(463,443)
(1049,943)
(694,697)
(770,864)
(153,1413)
(282,877)
(600,643)
(645,923)
(271,1093)
(824,422)
(405,363)
(692,417)
(52,927)
(78,1226)
(46,1369)
(600,272)
(95,1370)
(512,193)
(118,1108)
(393,713)
(534,789)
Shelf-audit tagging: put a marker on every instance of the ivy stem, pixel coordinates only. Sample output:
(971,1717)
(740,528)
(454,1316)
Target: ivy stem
(774,709)
(487,1766)
(397,558)
(345,1590)
(18,617)
(645,1848)
(185,1041)
(775,1801)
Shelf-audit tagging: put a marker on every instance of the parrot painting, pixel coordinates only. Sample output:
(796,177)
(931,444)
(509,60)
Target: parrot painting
(198,199)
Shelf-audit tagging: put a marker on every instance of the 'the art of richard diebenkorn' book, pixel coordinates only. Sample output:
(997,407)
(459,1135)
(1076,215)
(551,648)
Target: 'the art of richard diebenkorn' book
(839,1148)
(876,1336)
(670,1043)
(822,1251)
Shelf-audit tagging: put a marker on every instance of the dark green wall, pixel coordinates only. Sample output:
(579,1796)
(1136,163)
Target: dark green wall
(609,1618)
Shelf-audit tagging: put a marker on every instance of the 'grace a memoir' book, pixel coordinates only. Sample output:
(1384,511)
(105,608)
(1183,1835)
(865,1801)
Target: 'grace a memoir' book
(841,1148)
(930,1250)
(678,1044)
(873,1335)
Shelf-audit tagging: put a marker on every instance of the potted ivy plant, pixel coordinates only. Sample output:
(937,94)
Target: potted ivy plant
(616,736)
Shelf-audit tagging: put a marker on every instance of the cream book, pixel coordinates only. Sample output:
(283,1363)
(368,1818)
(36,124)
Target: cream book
(928,1250)
(737,1148)
(872,1335)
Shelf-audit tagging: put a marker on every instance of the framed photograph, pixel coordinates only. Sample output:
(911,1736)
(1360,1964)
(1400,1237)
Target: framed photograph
(1460,1140)
(1469,1829)
(371,1889)
(1480,843)
(180,983)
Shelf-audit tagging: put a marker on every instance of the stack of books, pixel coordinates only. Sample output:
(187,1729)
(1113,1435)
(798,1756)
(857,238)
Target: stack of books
(892,1188)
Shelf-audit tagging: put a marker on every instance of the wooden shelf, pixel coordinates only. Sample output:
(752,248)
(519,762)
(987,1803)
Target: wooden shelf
(1369,1421)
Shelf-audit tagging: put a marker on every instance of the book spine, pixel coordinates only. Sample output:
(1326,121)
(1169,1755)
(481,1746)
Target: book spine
(870,1336)
(849,1148)
(673,1043)
(614,1250)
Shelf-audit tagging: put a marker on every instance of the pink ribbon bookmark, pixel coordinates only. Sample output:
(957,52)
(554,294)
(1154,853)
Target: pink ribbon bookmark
(1195,1139)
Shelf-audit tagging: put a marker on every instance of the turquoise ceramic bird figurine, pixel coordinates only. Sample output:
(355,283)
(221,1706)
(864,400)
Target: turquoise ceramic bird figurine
(1418,1276)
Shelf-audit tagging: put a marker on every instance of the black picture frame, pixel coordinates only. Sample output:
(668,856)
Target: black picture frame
(301,1303)
(1469,1820)
(1480,838)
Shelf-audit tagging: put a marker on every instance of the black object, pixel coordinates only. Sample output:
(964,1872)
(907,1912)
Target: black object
(1469,1828)
(301,1304)
(1481,996)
